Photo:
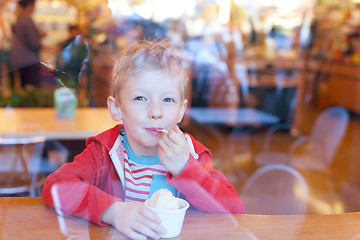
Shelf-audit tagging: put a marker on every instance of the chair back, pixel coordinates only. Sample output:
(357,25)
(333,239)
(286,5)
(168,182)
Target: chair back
(275,189)
(275,145)
(329,128)
(20,161)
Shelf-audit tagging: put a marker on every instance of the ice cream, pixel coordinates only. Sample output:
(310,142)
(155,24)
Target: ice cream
(164,199)
(170,210)
(162,130)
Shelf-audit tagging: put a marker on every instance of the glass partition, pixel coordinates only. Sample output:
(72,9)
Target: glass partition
(272,86)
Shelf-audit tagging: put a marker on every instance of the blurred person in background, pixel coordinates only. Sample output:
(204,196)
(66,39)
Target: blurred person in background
(26,45)
(6,19)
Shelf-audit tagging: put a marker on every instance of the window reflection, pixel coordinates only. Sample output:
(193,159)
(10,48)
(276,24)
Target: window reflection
(290,65)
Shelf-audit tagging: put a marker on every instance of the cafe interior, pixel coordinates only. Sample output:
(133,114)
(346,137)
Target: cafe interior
(273,92)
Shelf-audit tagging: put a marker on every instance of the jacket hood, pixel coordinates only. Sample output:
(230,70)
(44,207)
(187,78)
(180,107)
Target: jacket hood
(108,137)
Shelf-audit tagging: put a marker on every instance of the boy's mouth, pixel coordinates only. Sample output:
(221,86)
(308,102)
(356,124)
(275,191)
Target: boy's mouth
(157,130)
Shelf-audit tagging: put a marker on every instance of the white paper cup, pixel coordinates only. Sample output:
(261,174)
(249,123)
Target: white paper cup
(171,220)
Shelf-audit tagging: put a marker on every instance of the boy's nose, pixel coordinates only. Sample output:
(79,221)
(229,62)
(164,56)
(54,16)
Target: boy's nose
(155,111)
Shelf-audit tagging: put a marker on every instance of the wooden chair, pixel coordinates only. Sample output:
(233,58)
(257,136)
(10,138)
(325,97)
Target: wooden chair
(20,160)
(275,189)
(313,155)
(315,151)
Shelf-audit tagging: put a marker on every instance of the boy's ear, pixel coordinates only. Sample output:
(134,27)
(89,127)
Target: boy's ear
(114,109)
(182,110)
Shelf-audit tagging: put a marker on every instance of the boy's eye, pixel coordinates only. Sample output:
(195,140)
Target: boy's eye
(140,98)
(169,100)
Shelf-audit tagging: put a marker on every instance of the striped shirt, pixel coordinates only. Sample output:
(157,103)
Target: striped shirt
(139,174)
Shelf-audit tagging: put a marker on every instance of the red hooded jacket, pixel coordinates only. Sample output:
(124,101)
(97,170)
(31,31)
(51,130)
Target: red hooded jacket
(90,184)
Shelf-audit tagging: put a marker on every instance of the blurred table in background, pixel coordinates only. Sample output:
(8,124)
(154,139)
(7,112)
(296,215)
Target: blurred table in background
(65,138)
(231,116)
(232,144)
(24,218)
(43,121)
(283,74)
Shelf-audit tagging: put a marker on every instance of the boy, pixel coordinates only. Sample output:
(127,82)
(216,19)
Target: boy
(121,167)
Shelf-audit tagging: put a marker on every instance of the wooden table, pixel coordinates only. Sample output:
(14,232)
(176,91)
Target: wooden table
(29,121)
(342,84)
(30,218)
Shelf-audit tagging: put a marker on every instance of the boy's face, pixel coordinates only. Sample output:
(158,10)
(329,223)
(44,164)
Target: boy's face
(148,102)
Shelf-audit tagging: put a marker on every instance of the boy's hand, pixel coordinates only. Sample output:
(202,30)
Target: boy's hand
(134,220)
(174,151)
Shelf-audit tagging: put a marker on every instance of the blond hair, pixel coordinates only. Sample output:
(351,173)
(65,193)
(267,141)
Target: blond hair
(148,56)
